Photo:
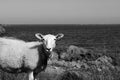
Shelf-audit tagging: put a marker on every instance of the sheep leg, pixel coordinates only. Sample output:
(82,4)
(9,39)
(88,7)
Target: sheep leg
(35,75)
(30,75)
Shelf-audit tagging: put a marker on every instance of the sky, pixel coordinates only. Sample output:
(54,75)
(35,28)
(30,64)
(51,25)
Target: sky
(59,11)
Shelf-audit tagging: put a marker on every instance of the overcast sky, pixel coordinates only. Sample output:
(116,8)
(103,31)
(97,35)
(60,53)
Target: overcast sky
(60,11)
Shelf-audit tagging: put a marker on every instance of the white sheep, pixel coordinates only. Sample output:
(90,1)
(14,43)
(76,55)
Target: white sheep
(18,56)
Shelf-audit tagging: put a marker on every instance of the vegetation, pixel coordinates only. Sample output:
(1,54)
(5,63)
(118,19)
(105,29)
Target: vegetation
(98,57)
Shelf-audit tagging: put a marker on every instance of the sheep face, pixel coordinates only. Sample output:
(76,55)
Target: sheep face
(49,40)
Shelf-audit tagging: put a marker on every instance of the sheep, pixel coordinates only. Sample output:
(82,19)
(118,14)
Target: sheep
(17,56)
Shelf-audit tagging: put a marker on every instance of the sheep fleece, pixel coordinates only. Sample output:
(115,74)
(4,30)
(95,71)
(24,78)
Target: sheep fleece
(13,53)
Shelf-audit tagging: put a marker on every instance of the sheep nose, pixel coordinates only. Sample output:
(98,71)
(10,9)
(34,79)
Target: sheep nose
(48,49)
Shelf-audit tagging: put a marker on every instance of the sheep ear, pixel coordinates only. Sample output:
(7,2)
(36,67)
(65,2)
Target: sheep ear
(59,36)
(39,36)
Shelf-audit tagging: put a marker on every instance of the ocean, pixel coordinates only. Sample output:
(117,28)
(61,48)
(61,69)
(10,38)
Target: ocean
(107,36)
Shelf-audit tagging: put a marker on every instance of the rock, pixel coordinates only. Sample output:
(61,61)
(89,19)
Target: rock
(104,60)
(74,53)
(63,55)
(82,64)
(76,50)
(102,63)
(66,56)
(54,56)
(54,70)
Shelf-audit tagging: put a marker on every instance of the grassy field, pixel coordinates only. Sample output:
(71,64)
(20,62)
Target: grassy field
(101,39)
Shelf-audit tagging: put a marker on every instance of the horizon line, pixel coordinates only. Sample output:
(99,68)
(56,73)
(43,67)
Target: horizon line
(9,25)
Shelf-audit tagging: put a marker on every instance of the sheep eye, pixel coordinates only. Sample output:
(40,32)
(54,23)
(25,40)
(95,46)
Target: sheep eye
(43,40)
